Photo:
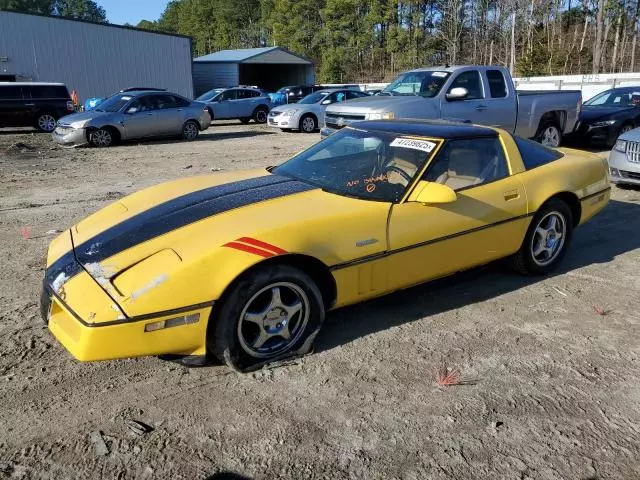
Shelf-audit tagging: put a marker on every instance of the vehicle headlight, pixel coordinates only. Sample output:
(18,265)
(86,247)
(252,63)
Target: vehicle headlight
(603,123)
(621,146)
(380,116)
(289,113)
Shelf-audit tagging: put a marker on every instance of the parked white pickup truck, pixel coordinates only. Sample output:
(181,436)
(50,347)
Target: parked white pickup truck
(477,94)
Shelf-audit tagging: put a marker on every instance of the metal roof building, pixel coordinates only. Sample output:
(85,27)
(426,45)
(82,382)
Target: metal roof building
(269,68)
(95,59)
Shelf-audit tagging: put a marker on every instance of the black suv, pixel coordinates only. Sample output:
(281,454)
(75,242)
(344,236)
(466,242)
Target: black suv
(33,104)
(293,93)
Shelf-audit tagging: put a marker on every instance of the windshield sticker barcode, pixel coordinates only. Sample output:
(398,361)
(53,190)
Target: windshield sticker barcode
(414,144)
(439,74)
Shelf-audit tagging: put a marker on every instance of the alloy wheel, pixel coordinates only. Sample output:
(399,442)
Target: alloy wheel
(549,238)
(308,124)
(261,116)
(46,123)
(101,138)
(190,131)
(551,137)
(273,320)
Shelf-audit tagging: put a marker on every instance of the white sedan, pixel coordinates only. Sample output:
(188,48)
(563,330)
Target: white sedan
(308,114)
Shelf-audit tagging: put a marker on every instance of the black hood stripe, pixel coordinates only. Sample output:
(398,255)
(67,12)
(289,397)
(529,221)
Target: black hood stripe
(172,215)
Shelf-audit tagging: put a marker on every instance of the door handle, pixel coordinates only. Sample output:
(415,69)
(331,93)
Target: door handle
(511,195)
(150,114)
(29,104)
(480,108)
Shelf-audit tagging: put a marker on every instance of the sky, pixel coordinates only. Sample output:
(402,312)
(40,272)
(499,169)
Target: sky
(132,11)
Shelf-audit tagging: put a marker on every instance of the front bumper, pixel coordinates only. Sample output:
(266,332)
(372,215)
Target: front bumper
(126,338)
(284,121)
(92,326)
(71,137)
(622,170)
(586,134)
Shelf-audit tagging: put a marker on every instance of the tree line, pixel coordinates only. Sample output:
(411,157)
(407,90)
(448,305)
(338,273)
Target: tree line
(79,9)
(373,40)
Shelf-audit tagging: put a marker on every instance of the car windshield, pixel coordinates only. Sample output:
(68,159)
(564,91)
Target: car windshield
(425,84)
(315,97)
(114,103)
(615,98)
(209,95)
(367,165)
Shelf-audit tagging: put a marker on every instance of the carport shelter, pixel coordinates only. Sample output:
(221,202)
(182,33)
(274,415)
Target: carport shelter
(268,68)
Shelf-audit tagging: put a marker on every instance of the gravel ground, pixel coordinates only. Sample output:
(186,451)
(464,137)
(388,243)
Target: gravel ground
(550,387)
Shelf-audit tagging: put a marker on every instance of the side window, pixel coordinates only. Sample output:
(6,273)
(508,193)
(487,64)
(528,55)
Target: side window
(254,93)
(228,95)
(468,163)
(243,94)
(340,96)
(181,102)
(471,81)
(164,102)
(10,93)
(497,85)
(355,94)
(48,91)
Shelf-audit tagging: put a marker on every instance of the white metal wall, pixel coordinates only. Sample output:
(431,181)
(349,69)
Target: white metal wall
(590,85)
(96,60)
(213,75)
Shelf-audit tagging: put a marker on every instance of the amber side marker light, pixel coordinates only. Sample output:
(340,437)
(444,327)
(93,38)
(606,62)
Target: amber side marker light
(172,322)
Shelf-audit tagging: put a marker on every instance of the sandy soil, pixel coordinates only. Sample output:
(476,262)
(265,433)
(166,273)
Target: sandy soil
(550,391)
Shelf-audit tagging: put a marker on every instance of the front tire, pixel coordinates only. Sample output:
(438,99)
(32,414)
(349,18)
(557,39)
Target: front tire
(550,135)
(190,131)
(101,138)
(46,122)
(268,314)
(308,124)
(547,239)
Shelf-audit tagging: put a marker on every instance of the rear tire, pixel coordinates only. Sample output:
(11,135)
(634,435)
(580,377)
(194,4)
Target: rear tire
(255,325)
(46,122)
(547,239)
(549,135)
(102,137)
(260,115)
(190,131)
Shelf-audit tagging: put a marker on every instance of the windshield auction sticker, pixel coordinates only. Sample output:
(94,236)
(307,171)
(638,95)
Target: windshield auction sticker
(414,144)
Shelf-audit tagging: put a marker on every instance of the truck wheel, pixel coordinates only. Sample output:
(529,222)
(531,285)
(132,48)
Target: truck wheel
(267,314)
(550,135)
(547,239)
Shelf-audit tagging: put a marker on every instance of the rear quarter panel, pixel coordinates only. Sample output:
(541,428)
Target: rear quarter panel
(580,173)
(532,106)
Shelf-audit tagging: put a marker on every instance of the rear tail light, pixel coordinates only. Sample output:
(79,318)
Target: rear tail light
(70,106)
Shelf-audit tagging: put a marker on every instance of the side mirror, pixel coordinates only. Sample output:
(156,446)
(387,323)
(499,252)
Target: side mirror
(432,193)
(132,110)
(326,102)
(458,93)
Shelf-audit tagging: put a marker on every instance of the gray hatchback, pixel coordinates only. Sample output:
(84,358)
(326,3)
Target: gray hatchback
(243,103)
(134,115)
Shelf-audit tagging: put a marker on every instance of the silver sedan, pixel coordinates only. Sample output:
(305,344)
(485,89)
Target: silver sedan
(134,115)
(308,114)
(624,159)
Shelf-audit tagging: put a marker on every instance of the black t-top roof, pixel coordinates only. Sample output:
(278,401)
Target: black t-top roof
(427,128)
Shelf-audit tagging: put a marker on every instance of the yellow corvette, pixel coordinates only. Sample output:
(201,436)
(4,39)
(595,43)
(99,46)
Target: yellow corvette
(244,265)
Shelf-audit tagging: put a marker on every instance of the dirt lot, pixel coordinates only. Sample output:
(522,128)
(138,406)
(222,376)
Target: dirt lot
(551,387)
